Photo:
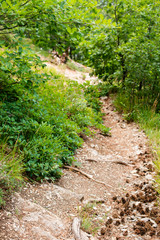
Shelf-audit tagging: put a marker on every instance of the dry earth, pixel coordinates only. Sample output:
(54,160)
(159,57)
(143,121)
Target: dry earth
(116,202)
(78,76)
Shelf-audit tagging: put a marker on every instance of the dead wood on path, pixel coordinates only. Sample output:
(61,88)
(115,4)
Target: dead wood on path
(87,175)
(76,228)
(112,161)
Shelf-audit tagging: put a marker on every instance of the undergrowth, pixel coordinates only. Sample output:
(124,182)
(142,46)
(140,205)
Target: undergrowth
(37,50)
(92,218)
(11,169)
(43,113)
(77,67)
(46,125)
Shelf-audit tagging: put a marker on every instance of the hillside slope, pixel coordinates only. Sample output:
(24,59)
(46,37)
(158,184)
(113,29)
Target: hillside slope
(110,190)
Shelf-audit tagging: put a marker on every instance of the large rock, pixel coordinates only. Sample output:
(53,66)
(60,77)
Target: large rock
(35,222)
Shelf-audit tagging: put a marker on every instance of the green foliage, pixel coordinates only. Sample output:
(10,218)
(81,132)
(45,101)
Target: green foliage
(6,39)
(77,67)
(127,52)
(16,74)
(45,52)
(104,130)
(10,164)
(11,169)
(124,105)
(2,202)
(88,213)
(149,120)
(19,14)
(43,118)
(118,39)
(92,94)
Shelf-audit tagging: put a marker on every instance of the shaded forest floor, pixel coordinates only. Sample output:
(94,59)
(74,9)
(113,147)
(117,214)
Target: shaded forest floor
(110,190)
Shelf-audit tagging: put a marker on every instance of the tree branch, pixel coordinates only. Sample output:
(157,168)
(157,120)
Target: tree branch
(87,176)
(25,3)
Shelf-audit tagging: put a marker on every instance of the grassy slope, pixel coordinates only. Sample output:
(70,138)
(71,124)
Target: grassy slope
(44,128)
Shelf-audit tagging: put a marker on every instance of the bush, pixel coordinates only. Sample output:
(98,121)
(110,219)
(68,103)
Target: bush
(77,67)
(46,127)
(43,112)
(43,118)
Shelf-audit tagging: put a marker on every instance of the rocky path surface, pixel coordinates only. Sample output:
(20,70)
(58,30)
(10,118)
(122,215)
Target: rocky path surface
(111,191)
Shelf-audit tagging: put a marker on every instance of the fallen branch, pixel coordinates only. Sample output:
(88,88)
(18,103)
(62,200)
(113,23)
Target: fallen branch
(87,175)
(121,162)
(76,228)
(91,160)
(112,161)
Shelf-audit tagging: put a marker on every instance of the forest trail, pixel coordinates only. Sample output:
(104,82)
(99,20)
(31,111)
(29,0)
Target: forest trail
(117,198)
(75,75)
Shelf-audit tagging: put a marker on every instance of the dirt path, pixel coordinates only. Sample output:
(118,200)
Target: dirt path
(78,76)
(121,205)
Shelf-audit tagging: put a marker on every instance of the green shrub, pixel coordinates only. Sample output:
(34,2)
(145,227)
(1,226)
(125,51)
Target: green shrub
(74,66)
(44,118)
(2,202)
(92,94)
(124,105)
(46,128)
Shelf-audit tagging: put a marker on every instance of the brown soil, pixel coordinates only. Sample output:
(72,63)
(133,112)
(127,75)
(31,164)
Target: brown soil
(127,208)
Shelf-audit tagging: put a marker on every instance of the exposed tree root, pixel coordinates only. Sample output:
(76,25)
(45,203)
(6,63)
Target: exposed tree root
(87,175)
(120,162)
(112,161)
(91,160)
(76,228)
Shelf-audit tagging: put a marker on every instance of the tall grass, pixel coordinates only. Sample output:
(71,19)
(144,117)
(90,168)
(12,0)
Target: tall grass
(11,169)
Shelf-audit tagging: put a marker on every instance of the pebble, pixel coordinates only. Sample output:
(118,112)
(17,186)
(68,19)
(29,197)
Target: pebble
(148,177)
(114,198)
(157,220)
(125,233)
(122,220)
(117,223)
(115,215)
(109,221)
(93,146)
(103,230)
